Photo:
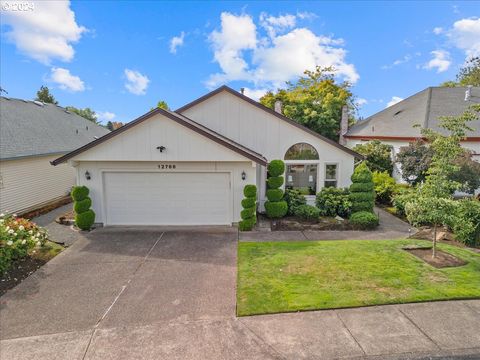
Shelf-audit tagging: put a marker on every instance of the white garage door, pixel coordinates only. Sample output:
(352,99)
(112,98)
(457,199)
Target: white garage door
(136,198)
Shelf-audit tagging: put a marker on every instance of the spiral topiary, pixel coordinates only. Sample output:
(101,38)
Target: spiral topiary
(84,216)
(362,194)
(249,212)
(275,207)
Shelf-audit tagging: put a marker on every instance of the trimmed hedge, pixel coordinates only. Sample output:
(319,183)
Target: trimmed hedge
(85,220)
(274,194)
(249,212)
(82,205)
(334,201)
(364,220)
(276,209)
(362,194)
(79,193)
(276,168)
(308,212)
(294,199)
(275,182)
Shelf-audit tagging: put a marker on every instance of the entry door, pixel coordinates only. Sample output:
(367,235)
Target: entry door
(142,198)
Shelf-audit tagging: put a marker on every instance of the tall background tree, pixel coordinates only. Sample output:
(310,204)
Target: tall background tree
(415,160)
(45,96)
(86,113)
(469,74)
(315,101)
(378,156)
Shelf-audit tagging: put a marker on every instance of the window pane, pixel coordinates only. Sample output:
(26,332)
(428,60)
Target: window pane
(302,177)
(331,172)
(301,151)
(329,183)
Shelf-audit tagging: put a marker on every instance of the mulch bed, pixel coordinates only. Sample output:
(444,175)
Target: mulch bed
(46,208)
(19,271)
(441,260)
(292,223)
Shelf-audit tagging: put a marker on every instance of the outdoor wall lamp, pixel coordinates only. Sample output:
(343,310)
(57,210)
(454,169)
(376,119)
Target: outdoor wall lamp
(161,148)
(87,175)
(244,175)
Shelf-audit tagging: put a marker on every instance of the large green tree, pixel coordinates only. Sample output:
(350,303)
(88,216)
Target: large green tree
(45,96)
(469,74)
(315,101)
(377,155)
(415,159)
(86,113)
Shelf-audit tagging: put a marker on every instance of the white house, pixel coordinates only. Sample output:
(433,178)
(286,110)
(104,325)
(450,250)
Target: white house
(32,134)
(189,167)
(395,125)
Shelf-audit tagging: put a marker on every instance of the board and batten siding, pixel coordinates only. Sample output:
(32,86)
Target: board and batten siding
(32,181)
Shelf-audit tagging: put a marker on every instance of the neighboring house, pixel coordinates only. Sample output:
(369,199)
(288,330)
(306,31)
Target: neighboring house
(395,124)
(31,135)
(189,167)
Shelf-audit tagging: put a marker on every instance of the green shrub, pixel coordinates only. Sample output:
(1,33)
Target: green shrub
(247,213)
(361,181)
(277,209)
(250,191)
(249,202)
(294,199)
(247,224)
(364,220)
(85,219)
(79,193)
(276,168)
(274,194)
(466,223)
(401,198)
(275,182)
(307,212)
(82,205)
(334,201)
(385,187)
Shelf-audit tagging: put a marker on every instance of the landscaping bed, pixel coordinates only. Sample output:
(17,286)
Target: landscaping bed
(296,276)
(441,259)
(323,223)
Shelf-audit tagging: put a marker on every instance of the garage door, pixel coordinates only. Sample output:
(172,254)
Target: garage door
(136,198)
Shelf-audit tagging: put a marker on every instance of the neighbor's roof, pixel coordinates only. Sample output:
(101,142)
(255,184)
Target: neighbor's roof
(30,128)
(182,120)
(270,111)
(424,108)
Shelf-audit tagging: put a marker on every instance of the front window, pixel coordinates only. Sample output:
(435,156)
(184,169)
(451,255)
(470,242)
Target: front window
(331,174)
(301,151)
(302,177)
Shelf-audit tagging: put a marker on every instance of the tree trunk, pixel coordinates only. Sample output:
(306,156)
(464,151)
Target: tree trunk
(434,248)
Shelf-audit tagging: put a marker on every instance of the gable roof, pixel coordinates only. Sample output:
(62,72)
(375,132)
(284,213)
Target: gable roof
(29,128)
(271,112)
(423,108)
(182,120)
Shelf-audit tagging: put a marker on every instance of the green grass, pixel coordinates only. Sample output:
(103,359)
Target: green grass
(293,276)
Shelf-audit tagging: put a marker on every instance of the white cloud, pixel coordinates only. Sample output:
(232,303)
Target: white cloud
(397,62)
(269,62)
(305,15)
(465,35)
(440,61)
(176,42)
(394,100)
(361,101)
(438,30)
(105,115)
(44,33)
(255,94)
(136,83)
(65,80)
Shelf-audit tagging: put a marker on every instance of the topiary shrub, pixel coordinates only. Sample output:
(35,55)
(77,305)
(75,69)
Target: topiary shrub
(275,207)
(307,212)
(364,220)
(362,194)
(294,199)
(84,216)
(334,201)
(249,203)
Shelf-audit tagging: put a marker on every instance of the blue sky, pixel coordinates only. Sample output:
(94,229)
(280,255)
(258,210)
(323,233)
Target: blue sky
(121,57)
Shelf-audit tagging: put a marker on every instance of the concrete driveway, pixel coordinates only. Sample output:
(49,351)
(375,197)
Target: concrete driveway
(158,293)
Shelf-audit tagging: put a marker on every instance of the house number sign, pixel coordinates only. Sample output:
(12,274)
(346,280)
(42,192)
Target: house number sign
(167,166)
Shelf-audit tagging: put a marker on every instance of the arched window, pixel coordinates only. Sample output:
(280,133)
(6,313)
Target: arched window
(301,151)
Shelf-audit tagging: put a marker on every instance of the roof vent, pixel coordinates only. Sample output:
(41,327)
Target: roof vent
(468,93)
(398,112)
(95,137)
(68,112)
(39,103)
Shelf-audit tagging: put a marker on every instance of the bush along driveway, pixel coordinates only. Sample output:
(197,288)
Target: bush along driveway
(293,276)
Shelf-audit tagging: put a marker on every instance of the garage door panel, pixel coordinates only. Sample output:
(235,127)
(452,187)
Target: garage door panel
(167,198)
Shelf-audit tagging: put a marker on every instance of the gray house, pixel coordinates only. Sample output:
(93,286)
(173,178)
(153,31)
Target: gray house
(31,135)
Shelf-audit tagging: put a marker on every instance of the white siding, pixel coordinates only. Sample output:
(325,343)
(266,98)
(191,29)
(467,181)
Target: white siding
(33,181)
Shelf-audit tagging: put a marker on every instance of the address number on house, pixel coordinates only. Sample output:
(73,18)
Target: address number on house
(167,166)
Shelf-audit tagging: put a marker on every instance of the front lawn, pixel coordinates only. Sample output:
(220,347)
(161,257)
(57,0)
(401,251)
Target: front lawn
(293,276)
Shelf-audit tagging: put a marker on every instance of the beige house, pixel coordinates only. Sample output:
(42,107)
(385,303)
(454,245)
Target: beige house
(31,135)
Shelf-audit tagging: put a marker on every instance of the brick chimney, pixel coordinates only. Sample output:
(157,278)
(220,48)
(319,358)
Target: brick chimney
(343,126)
(278,106)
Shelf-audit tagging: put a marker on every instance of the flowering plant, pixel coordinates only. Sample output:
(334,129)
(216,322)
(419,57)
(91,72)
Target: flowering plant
(17,237)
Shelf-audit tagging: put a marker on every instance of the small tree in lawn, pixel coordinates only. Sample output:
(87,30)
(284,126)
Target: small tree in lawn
(362,194)
(276,206)
(249,212)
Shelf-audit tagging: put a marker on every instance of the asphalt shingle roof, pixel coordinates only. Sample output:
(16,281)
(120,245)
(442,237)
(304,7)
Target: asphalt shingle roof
(29,128)
(423,108)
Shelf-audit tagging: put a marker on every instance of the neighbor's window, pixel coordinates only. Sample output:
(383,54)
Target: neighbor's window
(302,177)
(331,175)
(301,151)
